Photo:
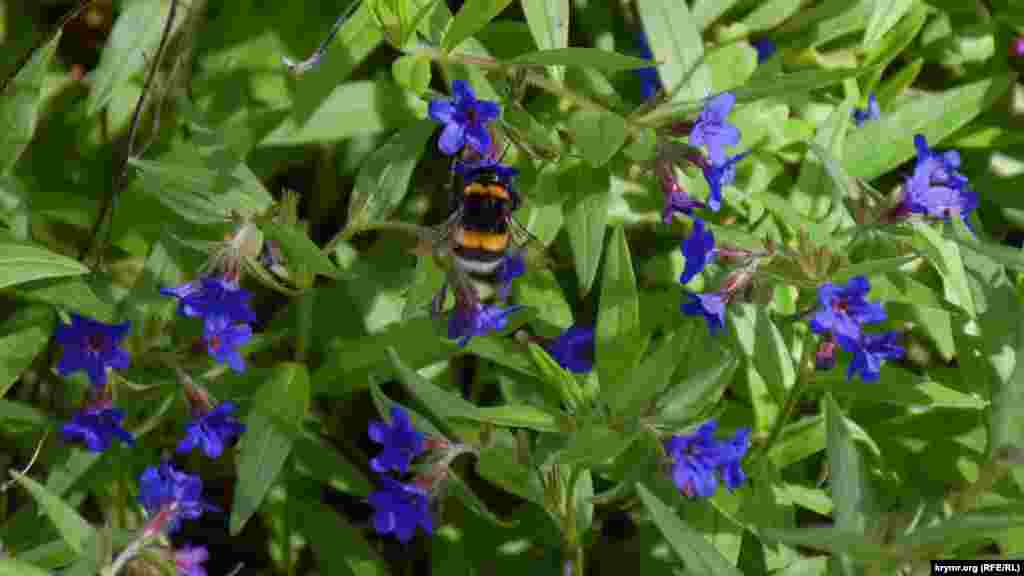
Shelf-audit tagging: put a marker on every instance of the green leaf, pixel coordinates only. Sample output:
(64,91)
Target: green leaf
(69,294)
(24,336)
(325,464)
(351,109)
(617,342)
(264,449)
(12,567)
(598,135)
(500,466)
(549,24)
(383,180)
(23,263)
(945,256)
(828,539)
(699,555)
(653,375)
(707,11)
(586,217)
(1000,366)
(884,16)
(132,42)
(470,19)
(412,72)
(582,57)
(19,107)
(965,527)
(1008,256)
(72,527)
(880,146)
(511,416)
(595,445)
(298,249)
(676,43)
(849,486)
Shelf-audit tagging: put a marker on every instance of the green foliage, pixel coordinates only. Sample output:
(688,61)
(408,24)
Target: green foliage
(320,187)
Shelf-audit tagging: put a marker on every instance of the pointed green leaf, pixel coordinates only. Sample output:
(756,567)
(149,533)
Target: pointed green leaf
(24,263)
(19,107)
(549,24)
(884,16)
(617,342)
(965,527)
(72,527)
(598,135)
(699,555)
(595,445)
(24,336)
(383,180)
(133,40)
(298,249)
(472,17)
(945,256)
(849,486)
(676,44)
(583,57)
(12,567)
(264,449)
(586,217)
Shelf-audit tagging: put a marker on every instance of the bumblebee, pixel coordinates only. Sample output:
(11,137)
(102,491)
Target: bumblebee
(481,224)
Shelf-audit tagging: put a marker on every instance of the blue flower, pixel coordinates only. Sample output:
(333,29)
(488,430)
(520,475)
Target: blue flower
(477,319)
(719,176)
(872,112)
(699,250)
(650,84)
(209,297)
(471,171)
(92,346)
(713,131)
(97,426)
(189,560)
(765,49)
(512,266)
(731,453)
(175,494)
(401,442)
(843,310)
(711,305)
(936,189)
(870,351)
(399,509)
(465,119)
(574,349)
(212,431)
(694,460)
(223,339)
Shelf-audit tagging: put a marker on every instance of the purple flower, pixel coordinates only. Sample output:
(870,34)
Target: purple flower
(713,130)
(711,305)
(402,443)
(211,296)
(574,349)
(719,176)
(399,509)
(731,453)
(650,84)
(872,112)
(223,339)
(936,189)
(91,346)
(1017,47)
(512,266)
(765,49)
(464,119)
(676,199)
(472,171)
(699,250)
(843,309)
(212,430)
(870,351)
(477,319)
(694,460)
(170,495)
(189,560)
(97,426)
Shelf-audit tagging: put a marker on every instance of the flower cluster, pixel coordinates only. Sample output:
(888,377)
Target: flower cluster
(936,189)
(841,315)
(224,308)
(168,496)
(698,460)
(398,508)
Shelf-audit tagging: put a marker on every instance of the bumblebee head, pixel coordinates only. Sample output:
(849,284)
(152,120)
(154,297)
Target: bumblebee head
(490,173)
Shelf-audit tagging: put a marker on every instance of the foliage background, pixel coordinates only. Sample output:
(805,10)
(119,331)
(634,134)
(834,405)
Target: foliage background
(228,128)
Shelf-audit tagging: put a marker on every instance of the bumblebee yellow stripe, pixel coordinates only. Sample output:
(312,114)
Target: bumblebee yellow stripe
(482,240)
(492,190)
